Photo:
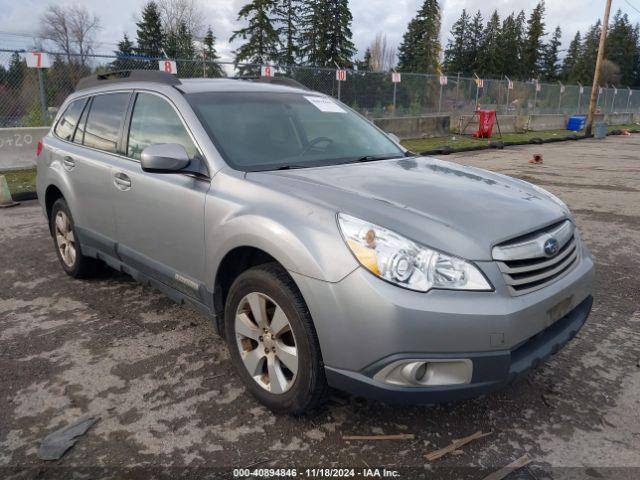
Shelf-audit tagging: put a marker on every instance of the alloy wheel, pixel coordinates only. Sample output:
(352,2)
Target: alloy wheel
(266,343)
(65,239)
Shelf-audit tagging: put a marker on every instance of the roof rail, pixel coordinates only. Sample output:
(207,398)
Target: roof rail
(286,81)
(120,76)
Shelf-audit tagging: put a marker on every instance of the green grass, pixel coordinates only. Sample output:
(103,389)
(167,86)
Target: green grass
(631,126)
(461,141)
(21,180)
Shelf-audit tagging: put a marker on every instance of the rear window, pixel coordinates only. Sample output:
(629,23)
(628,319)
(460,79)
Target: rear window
(105,120)
(69,120)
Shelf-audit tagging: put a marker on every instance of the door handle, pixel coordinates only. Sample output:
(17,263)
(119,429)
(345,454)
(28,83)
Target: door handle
(122,181)
(68,163)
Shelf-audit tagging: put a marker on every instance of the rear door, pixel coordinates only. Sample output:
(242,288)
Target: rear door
(88,149)
(160,217)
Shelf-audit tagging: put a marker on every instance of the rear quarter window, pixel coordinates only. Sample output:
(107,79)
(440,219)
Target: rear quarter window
(66,126)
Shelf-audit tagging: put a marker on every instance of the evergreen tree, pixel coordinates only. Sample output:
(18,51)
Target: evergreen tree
(125,50)
(420,48)
(16,72)
(509,46)
(489,57)
(533,46)
(149,35)
(622,47)
(456,53)
(179,45)
(210,56)
(569,72)
(408,50)
(288,18)
(521,32)
(476,39)
(550,57)
(365,64)
(586,64)
(260,35)
(327,37)
(636,58)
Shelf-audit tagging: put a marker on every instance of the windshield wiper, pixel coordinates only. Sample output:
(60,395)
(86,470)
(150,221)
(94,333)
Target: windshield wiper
(291,167)
(373,158)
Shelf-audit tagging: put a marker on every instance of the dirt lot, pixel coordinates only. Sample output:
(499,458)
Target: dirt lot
(163,387)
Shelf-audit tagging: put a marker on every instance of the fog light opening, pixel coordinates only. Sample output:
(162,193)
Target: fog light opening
(427,372)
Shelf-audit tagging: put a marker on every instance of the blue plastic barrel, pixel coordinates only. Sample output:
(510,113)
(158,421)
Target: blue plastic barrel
(576,122)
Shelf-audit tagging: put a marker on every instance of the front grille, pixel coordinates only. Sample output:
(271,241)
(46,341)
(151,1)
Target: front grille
(526,268)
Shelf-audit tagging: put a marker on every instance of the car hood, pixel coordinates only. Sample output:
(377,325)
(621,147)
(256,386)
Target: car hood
(458,209)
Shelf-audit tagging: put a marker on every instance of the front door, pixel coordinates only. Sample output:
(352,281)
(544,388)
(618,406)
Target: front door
(160,217)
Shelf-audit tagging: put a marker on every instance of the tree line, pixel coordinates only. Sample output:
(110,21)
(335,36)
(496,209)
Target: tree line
(169,29)
(318,33)
(520,47)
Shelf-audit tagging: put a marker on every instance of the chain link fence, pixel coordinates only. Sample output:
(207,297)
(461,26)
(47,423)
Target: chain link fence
(30,97)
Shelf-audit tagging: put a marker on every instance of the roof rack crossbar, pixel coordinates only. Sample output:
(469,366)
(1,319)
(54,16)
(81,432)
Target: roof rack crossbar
(120,76)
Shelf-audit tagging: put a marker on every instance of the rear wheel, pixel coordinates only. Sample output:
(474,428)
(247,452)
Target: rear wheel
(272,341)
(66,243)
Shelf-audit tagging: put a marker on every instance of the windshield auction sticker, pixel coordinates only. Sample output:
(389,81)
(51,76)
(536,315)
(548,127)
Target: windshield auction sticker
(325,104)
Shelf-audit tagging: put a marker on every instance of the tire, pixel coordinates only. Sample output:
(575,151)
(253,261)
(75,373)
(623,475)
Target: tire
(74,263)
(271,381)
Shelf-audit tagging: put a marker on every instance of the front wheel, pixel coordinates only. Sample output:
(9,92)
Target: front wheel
(272,341)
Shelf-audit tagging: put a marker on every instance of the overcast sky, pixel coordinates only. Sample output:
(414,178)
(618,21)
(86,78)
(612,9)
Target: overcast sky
(369,17)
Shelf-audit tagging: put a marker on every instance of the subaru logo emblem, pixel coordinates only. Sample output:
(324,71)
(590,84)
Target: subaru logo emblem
(550,247)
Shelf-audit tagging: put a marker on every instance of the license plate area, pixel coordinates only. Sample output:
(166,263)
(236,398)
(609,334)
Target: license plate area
(559,310)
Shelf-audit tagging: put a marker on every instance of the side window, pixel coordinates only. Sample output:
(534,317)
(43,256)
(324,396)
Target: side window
(105,120)
(67,123)
(155,121)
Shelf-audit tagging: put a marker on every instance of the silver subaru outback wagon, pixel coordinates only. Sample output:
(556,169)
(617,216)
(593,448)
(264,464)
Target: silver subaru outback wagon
(325,253)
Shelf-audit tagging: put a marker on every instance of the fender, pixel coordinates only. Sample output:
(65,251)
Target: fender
(55,177)
(310,257)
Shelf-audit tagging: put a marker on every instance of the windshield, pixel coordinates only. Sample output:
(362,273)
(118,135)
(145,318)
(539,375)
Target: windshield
(267,131)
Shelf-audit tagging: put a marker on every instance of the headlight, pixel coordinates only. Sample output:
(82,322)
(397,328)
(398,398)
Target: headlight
(399,260)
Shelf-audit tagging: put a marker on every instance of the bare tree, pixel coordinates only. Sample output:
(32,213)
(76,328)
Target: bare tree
(72,29)
(84,26)
(55,27)
(383,56)
(175,13)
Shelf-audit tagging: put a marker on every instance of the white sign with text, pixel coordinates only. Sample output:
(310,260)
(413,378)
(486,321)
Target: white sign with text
(168,66)
(38,60)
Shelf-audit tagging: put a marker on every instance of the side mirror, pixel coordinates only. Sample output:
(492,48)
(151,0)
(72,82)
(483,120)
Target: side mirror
(393,137)
(164,158)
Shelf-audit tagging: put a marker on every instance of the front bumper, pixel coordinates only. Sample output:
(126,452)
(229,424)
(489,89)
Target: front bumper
(365,324)
(491,370)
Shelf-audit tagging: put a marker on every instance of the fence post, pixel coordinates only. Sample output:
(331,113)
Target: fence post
(440,99)
(43,103)
(628,99)
(613,100)
(506,105)
(561,88)
(477,81)
(395,88)
(457,89)
(535,96)
(579,97)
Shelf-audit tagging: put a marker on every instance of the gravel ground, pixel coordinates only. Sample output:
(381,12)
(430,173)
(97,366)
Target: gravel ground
(163,387)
